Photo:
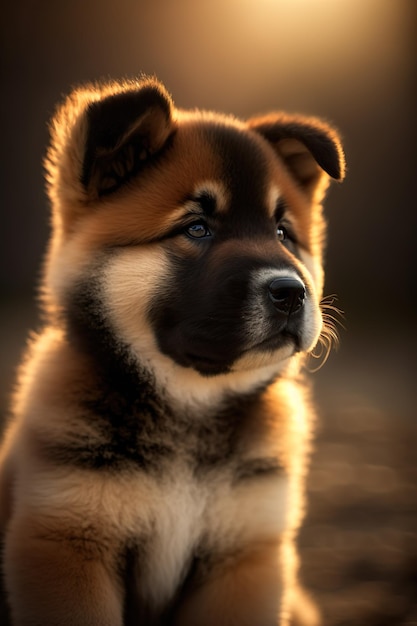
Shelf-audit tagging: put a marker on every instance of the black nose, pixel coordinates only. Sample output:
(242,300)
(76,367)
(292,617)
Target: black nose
(287,295)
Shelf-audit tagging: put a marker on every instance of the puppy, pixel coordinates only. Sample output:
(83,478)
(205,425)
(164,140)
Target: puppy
(152,470)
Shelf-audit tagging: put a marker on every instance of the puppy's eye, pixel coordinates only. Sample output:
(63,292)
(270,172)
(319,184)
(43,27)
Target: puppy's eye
(282,233)
(198,230)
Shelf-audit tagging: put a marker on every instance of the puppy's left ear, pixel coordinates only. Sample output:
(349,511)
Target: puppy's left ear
(309,147)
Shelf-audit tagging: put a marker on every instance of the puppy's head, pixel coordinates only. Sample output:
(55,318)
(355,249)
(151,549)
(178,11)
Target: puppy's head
(190,240)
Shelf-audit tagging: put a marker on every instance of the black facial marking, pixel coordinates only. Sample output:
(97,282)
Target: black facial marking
(198,322)
(245,168)
(280,209)
(207,202)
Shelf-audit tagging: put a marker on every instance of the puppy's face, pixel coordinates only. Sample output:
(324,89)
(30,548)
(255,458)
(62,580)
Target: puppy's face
(193,239)
(235,292)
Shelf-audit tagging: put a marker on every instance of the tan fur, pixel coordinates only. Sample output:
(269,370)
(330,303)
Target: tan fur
(95,534)
(244,591)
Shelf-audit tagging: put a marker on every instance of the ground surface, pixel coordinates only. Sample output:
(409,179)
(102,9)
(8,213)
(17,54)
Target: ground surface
(359,540)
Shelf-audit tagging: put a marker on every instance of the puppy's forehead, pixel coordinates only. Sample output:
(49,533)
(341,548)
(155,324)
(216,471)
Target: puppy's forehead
(240,163)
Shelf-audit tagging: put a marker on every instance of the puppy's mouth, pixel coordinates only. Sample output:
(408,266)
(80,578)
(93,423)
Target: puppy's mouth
(277,341)
(211,366)
(205,365)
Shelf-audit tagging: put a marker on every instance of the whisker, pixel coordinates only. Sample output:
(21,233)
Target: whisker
(329,337)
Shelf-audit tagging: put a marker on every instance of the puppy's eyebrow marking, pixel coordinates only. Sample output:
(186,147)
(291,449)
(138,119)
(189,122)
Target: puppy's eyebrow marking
(274,200)
(280,208)
(206,201)
(210,196)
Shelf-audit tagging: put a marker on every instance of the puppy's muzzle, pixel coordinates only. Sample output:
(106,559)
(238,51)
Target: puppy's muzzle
(287,295)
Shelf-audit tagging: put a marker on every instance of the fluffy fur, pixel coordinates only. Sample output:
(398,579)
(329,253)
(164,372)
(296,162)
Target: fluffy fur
(152,469)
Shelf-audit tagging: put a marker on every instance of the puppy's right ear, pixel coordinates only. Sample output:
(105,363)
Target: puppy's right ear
(103,136)
(125,131)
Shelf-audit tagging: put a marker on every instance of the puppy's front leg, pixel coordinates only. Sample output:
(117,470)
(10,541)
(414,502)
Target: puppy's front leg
(243,589)
(55,578)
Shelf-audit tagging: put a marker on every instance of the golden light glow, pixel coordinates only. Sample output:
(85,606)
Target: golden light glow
(234,54)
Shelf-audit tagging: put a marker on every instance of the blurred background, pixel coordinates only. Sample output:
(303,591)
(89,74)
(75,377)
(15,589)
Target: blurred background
(352,62)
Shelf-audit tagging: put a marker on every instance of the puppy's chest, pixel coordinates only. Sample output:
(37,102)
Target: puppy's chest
(190,487)
(196,523)
(145,435)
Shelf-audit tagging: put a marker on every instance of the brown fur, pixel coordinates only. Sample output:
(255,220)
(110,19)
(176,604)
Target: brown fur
(136,488)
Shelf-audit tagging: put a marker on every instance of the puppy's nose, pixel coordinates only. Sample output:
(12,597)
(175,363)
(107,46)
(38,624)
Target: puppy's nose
(287,295)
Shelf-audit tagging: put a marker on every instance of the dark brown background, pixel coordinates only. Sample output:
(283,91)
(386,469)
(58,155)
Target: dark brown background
(351,61)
